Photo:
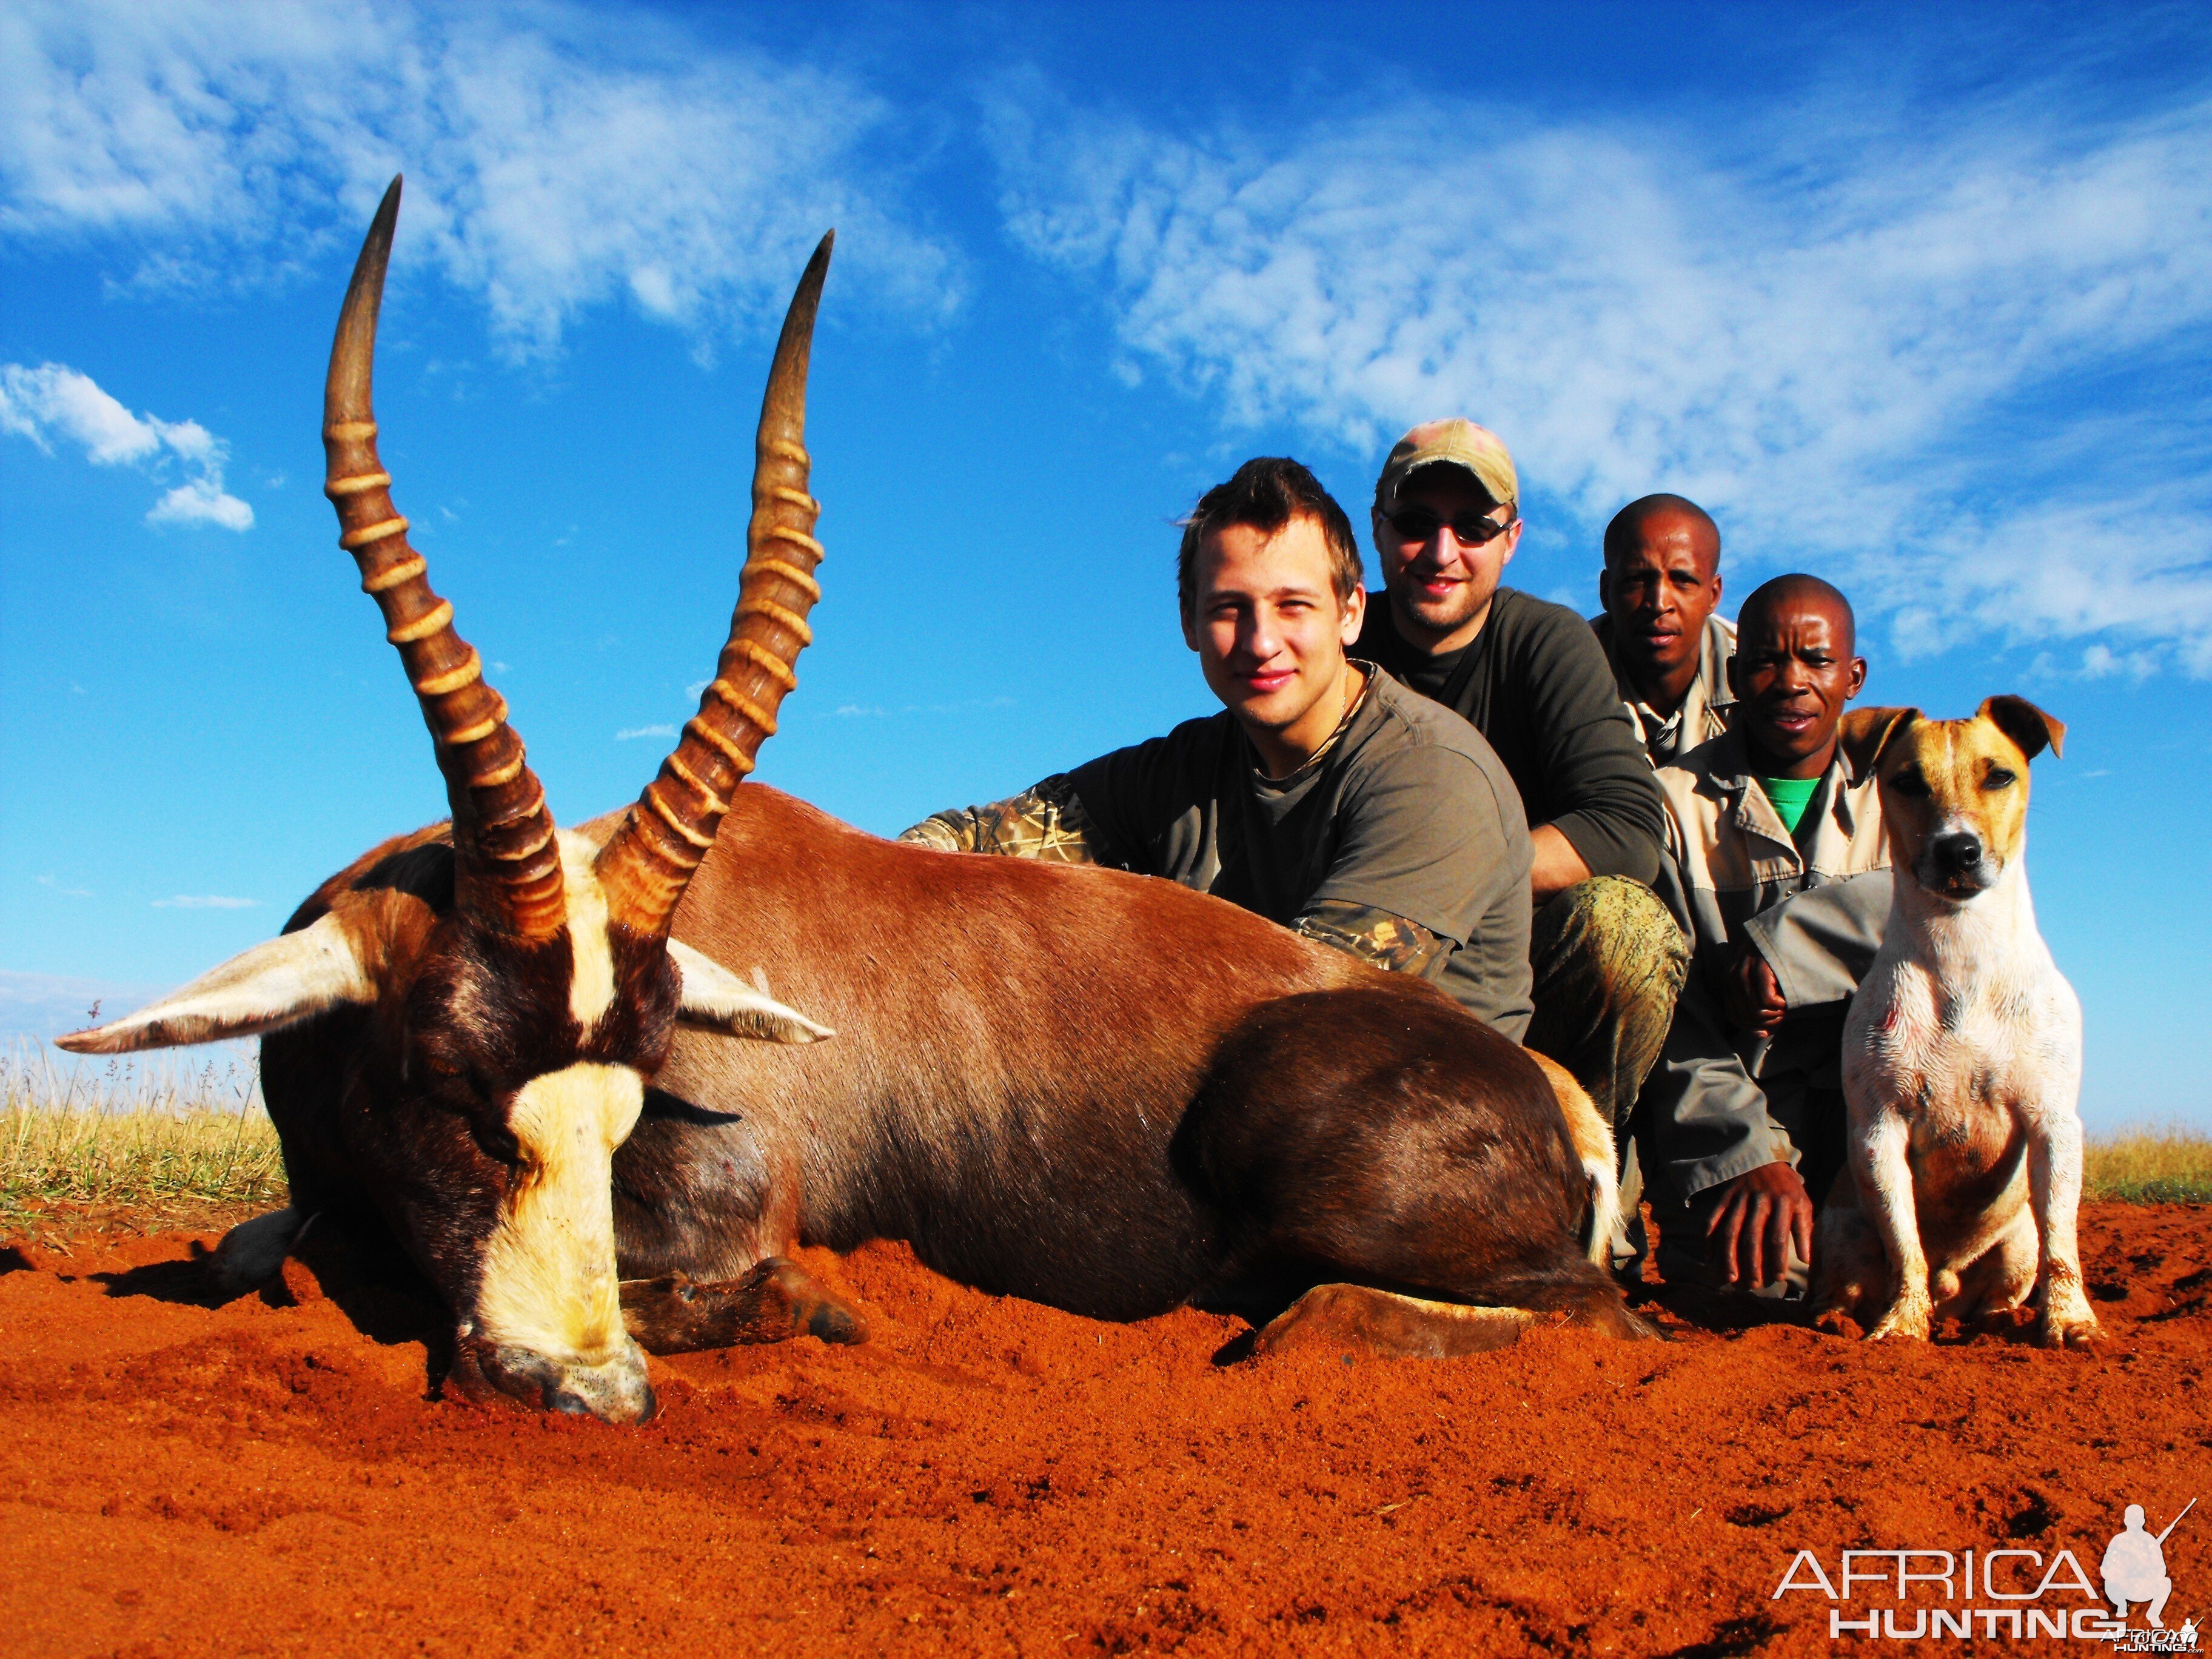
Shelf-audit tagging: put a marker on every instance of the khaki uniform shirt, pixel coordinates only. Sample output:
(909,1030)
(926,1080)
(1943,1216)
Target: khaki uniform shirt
(1722,1101)
(1706,705)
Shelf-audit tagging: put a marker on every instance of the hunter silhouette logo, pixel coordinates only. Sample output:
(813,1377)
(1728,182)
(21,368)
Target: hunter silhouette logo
(2134,1571)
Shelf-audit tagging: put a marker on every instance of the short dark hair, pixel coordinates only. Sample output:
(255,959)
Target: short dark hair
(1621,532)
(1799,585)
(1265,493)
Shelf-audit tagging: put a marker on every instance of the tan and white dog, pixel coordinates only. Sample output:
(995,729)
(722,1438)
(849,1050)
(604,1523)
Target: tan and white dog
(1962,1051)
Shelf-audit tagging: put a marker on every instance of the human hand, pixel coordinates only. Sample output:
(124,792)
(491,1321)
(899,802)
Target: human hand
(1750,994)
(1764,1211)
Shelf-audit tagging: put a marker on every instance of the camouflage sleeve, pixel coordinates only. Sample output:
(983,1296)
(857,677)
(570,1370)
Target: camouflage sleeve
(1046,822)
(1377,937)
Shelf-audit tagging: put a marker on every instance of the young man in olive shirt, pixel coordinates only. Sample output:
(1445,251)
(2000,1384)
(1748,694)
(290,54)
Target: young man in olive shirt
(1325,796)
(1530,676)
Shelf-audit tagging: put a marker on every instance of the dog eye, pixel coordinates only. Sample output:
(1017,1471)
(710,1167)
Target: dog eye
(1998,778)
(1910,783)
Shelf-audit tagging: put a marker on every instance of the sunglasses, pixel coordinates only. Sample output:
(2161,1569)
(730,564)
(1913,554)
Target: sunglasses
(1417,524)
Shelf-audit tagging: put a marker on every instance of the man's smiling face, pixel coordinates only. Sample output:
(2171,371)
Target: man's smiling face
(1440,584)
(1270,631)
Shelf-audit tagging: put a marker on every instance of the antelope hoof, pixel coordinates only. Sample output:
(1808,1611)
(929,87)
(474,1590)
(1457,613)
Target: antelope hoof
(1350,1319)
(777,1300)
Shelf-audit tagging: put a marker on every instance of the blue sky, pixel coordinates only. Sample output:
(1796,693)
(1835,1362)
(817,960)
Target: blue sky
(1921,302)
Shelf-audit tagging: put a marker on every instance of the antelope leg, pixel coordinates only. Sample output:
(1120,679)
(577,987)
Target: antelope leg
(776,1300)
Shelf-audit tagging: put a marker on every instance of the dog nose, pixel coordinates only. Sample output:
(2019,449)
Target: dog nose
(1957,854)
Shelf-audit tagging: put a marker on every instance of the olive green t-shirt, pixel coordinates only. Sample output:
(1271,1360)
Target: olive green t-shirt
(1407,809)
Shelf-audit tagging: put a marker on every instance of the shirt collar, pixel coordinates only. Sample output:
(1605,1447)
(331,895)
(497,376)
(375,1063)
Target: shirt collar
(1370,673)
(1731,774)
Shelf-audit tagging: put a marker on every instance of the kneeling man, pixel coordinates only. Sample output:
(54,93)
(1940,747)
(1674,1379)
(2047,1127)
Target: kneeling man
(1533,679)
(1778,870)
(1325,796)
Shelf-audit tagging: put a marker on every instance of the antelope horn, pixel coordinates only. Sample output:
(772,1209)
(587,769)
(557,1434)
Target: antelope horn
(508,867)
(646,864)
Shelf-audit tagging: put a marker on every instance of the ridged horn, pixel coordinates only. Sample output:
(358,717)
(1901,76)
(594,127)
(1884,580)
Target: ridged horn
(646,862)
(507,864)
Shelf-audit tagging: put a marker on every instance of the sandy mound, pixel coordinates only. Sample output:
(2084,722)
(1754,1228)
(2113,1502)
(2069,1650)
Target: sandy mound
(274,1476)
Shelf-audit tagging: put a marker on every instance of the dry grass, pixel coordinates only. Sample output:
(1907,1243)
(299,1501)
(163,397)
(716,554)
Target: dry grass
(163,1140)
(2172,1165)
(161,1137)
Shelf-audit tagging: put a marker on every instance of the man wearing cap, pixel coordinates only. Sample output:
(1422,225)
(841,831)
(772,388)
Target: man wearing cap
(1325,796)
(1659,587)
(1608,959)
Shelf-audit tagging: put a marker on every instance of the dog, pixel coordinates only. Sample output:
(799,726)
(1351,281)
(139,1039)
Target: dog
(1962,1051)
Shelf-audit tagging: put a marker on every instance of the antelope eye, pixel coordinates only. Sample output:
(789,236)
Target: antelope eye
(1910,782)
(1998,778)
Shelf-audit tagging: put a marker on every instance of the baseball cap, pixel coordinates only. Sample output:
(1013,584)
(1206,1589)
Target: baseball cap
(1454,442)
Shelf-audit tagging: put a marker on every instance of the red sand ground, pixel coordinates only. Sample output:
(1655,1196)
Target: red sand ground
(988,1476)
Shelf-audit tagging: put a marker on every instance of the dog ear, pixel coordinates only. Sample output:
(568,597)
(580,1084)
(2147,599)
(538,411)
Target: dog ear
(2025,725)
(1864,733)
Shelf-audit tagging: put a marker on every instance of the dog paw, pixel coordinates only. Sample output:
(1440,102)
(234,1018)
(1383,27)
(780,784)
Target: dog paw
(2079,1332)
(1909,1320)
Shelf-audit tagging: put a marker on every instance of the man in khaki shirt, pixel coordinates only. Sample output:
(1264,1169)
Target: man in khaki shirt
(1778,870)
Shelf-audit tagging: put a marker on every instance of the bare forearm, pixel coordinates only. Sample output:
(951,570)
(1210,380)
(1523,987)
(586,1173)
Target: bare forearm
(1557,865)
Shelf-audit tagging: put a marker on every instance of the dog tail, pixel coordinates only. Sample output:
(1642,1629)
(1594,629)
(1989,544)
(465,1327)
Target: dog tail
(1592,1139)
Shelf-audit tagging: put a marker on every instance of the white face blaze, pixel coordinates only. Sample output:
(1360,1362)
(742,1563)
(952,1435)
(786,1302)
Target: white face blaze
(591,986)
(549,1280)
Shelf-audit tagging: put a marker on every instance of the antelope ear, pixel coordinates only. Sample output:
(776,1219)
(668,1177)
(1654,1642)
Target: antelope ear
(2025,725)
(1865,733)
(273,985)
(715,996)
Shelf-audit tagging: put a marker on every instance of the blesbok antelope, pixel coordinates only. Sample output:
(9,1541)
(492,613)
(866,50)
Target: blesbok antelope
(534,1056)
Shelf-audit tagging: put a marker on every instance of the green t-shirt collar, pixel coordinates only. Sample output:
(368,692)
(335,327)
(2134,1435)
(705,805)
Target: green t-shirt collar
(1791,797)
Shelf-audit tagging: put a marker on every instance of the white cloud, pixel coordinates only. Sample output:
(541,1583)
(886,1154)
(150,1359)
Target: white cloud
(645,732)
(1900,355)
(556,159)
(56,401)
(205,901)
(33,400)
(202,502)
(872,711)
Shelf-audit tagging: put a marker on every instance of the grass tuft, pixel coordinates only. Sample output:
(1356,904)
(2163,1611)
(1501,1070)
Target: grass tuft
(140,1136)
(2171,1165)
